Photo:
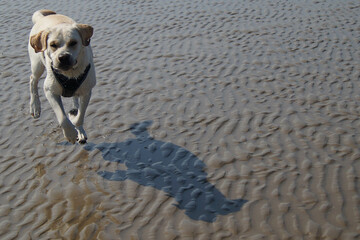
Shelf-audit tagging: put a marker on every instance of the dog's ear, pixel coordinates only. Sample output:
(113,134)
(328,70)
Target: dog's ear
(39,41)
(86,32)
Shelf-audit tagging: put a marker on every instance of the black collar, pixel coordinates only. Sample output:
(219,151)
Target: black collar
(70,85)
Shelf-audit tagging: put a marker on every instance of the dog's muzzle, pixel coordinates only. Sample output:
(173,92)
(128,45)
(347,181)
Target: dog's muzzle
(66,62)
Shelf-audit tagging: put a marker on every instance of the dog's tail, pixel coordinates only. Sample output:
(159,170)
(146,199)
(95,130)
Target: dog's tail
(40,14)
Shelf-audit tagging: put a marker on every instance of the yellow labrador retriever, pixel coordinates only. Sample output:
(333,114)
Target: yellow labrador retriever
(62,47)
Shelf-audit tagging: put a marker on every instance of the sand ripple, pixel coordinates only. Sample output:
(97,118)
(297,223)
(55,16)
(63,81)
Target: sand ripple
(264,93)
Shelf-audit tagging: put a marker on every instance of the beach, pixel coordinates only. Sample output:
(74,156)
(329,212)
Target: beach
(210,120)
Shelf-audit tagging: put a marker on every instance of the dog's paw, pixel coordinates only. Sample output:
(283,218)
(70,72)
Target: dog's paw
(35,114)
(71,137)
(81,135)
(70,133)
(35,108)
(73,112)
(83,140)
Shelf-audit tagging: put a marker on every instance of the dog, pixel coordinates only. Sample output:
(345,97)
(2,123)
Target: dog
(61,46)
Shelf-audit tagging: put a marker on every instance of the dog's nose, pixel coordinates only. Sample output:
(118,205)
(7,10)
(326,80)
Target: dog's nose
(64,59)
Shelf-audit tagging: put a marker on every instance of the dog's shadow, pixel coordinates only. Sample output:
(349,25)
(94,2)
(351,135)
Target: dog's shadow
(170,168)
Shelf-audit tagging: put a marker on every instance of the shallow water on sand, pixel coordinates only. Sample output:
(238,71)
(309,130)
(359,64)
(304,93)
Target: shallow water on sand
(258,100)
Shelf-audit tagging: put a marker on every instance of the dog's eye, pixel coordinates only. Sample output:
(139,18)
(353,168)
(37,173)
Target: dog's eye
(72,43)
(53,45)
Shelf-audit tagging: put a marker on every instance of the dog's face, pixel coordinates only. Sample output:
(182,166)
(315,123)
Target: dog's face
(63,44)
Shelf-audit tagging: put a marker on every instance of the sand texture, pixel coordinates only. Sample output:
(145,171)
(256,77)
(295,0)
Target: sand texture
(210,120)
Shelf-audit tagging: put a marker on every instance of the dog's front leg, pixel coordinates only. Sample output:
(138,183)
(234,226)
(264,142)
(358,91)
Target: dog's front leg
(77,117)
(37,70)
(68,128)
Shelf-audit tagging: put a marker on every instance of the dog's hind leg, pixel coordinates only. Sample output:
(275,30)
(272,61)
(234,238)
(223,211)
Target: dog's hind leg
(77,117)
(37,69)
(75,109)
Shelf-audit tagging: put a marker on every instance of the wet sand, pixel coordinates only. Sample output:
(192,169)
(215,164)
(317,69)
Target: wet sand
(253,103)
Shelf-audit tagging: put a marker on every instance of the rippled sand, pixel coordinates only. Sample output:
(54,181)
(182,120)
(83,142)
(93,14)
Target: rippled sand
(264,95)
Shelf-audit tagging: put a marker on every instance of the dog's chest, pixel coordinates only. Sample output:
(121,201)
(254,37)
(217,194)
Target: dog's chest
(70,85)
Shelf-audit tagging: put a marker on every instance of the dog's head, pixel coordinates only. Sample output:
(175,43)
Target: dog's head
(63,43)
